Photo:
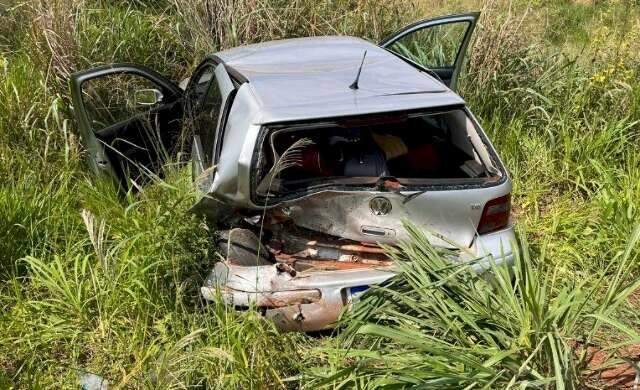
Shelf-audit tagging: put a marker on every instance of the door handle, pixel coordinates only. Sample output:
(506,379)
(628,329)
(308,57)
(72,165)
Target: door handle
(377,231)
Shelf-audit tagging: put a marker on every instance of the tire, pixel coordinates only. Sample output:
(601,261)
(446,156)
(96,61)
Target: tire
(240,247)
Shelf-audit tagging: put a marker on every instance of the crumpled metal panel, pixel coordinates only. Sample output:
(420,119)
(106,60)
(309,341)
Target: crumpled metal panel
(241,286)
(452,214)
(310,301)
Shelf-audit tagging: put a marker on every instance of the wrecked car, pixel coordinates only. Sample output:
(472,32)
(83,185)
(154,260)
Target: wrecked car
(311,153)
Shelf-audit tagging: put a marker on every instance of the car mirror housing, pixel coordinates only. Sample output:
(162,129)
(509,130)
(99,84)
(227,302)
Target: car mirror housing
(148,97)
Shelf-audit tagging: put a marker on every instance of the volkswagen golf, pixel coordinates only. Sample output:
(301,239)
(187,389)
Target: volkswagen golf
(311,153)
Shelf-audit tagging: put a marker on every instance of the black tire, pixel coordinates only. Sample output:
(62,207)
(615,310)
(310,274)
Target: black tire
(242,247)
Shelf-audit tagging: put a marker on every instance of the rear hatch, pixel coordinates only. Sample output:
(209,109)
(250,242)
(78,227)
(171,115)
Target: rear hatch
(361,177)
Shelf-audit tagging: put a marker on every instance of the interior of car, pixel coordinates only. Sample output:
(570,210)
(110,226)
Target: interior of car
(433,145)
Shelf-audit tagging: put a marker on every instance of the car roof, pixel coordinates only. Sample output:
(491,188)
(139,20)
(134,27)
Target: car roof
(305,78)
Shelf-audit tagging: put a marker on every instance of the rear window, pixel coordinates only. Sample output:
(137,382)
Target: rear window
(411,148)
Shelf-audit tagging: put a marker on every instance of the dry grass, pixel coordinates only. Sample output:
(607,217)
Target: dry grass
(54,25)
(499,37)
(220,24)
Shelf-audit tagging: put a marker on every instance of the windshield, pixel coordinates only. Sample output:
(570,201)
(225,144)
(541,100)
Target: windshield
(411,148)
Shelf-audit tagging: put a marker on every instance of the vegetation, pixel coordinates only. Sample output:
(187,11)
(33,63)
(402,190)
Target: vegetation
(93,281)
(448,327)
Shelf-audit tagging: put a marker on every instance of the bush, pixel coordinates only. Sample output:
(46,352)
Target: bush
(116,293)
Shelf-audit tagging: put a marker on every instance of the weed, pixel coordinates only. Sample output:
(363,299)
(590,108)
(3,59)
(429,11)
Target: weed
(444,326)
(107,283)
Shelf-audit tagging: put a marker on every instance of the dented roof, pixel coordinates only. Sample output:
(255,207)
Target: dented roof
(307,78)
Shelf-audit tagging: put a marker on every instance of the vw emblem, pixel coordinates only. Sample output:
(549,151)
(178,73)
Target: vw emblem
(380,205)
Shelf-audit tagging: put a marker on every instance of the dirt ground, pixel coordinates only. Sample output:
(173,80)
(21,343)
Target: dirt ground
(618,376)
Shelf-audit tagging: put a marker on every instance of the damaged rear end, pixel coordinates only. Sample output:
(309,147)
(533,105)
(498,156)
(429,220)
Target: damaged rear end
(358,178)
(307,281)
(326,193)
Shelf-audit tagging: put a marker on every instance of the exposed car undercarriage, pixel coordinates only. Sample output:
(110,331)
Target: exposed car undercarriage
(292,277)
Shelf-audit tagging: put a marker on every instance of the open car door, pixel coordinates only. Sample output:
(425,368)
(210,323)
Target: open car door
(436,45)
(129,118)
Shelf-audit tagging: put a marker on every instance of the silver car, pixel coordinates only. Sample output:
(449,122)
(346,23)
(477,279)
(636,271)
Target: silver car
(310,153)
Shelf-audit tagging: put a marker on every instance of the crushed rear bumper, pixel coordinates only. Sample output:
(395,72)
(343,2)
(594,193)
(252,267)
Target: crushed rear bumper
(304,302)
(313,300)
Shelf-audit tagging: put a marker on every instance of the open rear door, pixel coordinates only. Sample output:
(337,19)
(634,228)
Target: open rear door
(435,45)
(129,118)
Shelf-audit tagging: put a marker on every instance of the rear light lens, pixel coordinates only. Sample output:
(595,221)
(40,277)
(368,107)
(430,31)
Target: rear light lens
(495,215)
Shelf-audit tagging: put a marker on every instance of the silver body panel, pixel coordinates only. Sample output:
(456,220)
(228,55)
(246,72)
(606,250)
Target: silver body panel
(314,301)
(441,214)
(232,171)
(308,79)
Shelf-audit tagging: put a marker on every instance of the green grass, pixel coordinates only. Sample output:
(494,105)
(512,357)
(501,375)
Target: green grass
(442,325)
(91,280)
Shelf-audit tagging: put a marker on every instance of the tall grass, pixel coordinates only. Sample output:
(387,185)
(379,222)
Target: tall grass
(94,281)
(565,120)
(220,24)
(119,296)
(444,326)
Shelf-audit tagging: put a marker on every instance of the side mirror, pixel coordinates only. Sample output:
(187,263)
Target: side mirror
(148,97)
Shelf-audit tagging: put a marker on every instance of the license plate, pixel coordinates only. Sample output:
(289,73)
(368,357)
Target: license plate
(355,291)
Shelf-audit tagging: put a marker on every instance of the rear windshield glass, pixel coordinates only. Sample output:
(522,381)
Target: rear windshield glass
(411,148)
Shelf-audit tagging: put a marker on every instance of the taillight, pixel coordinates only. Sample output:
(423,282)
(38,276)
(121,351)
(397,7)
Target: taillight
(495,215)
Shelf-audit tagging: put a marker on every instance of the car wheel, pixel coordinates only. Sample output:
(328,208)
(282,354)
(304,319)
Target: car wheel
(242,247)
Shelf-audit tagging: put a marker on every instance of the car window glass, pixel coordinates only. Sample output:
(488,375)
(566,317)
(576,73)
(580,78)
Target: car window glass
(224,124)
(118,97)
(432,47)
(199,89)
(206,106)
